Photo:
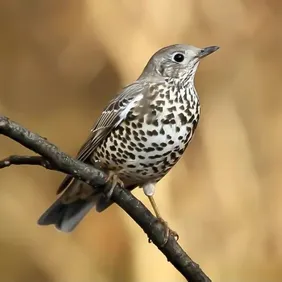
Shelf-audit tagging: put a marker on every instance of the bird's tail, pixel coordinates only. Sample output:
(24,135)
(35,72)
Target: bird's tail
(66,216)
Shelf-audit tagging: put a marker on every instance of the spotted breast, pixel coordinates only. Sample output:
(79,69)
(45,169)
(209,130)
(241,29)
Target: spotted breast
(154,134)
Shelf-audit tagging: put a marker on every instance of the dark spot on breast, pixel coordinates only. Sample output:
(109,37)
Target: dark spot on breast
(160,102)
(180,138)
(122,145)
(149,149)
(141,145)
(120,150)
(155,157)
(155,122)
(171,109)
(128,131)
(163,144)
(138,149)
(181,151)
(121,129)
(130,148)
(155,169)
(170,142)
(134,125)
(159,162)
(132,144)
(151,132)
(170,116)
(177,129)
(183,118)
(141,132)
(141,157)
(113,148)
(131,166)
(168,136)
(162,131)
(139,125)
(113,156)
(160,109)
(173,155)
(137,138)
(143,138)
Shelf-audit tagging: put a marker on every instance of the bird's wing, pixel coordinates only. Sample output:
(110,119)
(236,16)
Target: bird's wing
(110,118)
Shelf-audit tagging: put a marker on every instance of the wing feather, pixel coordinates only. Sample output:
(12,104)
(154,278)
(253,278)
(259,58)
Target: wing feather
(111,117)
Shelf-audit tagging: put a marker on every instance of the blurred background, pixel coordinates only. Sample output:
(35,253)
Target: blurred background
(61,61)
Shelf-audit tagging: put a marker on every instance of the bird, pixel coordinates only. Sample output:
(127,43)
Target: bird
(138,138)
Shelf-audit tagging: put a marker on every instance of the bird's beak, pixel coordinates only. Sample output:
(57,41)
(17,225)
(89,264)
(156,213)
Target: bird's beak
(207,51)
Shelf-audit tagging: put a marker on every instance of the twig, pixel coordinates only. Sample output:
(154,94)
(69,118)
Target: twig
(25,160)
(52,158)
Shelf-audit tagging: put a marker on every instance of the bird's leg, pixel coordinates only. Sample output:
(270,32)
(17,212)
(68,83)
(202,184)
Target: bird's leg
(149,190)
(115,180)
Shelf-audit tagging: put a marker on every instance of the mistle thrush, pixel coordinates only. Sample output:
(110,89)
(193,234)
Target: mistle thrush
(140,135)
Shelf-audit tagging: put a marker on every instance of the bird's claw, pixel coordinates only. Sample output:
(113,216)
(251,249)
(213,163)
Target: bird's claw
(168,232)
(114,179)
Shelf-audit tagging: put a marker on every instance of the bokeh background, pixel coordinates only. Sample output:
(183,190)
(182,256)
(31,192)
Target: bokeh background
(60,63)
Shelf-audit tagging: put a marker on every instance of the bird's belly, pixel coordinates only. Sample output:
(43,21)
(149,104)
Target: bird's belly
(143,152)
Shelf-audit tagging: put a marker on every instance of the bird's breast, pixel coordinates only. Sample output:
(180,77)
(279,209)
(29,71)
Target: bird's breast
(147,145)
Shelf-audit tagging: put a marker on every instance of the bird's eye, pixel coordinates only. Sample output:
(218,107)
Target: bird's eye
(178,57)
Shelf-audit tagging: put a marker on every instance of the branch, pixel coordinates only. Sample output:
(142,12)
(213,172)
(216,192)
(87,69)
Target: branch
(25,160)
(52,158)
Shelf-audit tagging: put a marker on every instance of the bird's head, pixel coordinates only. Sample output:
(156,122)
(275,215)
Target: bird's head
(177,61)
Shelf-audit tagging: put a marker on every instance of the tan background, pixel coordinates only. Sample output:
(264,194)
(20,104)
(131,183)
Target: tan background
(62,60)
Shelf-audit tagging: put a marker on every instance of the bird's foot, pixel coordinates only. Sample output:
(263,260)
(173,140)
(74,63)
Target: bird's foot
(168,232)
(115,180)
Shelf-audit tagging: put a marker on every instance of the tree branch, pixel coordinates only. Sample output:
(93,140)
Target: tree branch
(25,160)
(52,158)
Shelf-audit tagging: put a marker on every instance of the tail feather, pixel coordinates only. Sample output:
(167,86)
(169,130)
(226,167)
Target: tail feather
(66,217)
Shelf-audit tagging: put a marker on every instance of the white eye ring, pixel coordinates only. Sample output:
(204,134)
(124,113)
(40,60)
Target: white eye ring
(178,57)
